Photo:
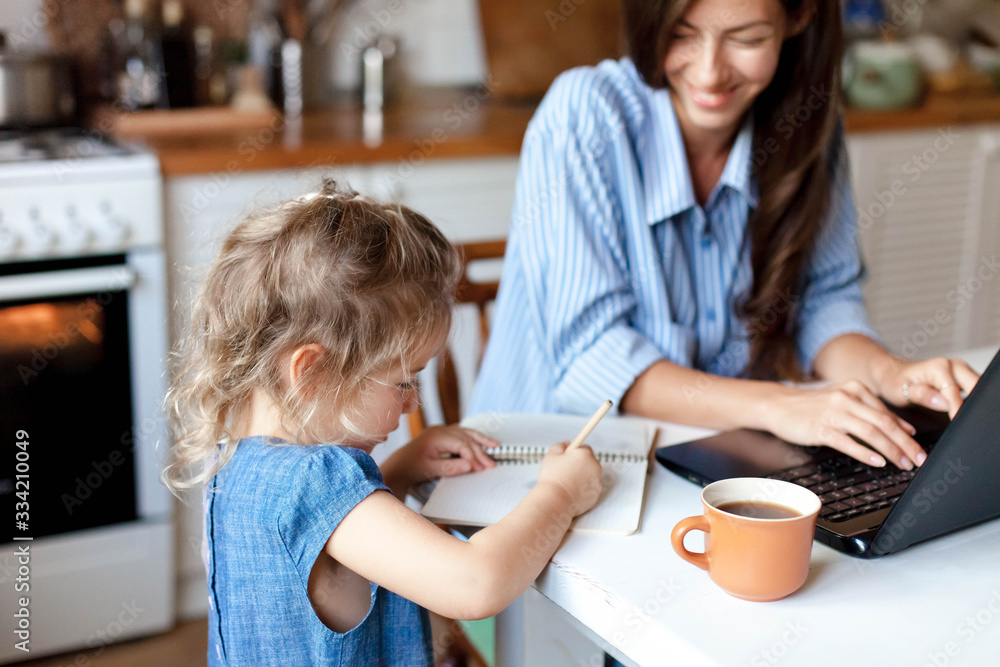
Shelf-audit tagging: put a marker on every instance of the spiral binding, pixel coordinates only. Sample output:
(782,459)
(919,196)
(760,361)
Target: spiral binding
(516,454)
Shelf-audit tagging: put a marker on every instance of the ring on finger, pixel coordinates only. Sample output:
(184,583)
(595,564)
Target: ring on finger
(906,392)
(946,385)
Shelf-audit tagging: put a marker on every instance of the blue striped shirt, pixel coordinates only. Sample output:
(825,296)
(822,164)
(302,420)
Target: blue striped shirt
(612,264)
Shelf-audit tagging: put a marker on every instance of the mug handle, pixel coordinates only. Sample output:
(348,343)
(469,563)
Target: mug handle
(683,527)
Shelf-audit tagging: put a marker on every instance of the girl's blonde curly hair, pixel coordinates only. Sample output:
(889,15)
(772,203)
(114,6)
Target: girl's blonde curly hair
(370,283)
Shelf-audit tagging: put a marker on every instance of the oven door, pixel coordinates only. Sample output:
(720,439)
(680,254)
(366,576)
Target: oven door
(66,380)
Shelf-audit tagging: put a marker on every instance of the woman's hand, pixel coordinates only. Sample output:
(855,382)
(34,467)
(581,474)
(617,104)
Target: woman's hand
(577,472)
(831,415)
(937,383)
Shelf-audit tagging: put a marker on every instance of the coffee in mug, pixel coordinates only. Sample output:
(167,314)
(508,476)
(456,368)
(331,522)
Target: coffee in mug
(759,510)
(758,536)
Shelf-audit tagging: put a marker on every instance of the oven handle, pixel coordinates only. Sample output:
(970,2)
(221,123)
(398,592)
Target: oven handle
(67,283)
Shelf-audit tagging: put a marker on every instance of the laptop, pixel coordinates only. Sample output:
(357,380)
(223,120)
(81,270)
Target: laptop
(871,512)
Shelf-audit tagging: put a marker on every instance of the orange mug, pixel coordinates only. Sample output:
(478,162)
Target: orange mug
(758,536)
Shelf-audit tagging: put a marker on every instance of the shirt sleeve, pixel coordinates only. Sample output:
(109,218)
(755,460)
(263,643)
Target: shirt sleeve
(832,304)
(575,259)
(329,483)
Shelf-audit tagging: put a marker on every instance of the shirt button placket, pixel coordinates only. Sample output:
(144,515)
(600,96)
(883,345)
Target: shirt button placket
(711,336)
(709,261)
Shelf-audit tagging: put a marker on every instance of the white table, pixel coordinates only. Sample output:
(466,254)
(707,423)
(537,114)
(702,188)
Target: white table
(934,604)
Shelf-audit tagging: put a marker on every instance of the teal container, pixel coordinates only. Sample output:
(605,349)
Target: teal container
(882,75)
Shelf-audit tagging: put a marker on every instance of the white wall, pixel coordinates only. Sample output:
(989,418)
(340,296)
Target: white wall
(23,21)
(441,40)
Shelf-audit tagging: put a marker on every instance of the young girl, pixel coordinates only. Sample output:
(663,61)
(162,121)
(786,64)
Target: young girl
(312,323)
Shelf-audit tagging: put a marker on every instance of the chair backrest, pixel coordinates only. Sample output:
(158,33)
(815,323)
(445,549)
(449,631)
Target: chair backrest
(479,294)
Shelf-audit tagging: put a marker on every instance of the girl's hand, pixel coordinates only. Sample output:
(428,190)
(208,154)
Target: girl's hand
(937,383)
(831,415)
(577,472)
(445,451)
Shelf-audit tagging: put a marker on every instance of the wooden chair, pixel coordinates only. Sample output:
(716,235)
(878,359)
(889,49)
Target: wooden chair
(480,294)
(448,637)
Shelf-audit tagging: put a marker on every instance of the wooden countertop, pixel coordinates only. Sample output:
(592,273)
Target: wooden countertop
(936,110)
(450,124)
(439,126)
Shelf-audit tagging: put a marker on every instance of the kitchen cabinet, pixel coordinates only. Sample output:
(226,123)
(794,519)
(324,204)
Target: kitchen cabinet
(469,199)
(929,206)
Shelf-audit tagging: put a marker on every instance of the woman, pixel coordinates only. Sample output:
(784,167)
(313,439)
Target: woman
(684,237)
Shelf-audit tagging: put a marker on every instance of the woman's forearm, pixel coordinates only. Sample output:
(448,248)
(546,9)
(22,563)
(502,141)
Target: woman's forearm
(682,395)
(856,357)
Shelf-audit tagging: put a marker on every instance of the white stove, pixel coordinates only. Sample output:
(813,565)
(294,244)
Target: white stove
(68,192)
(83,339)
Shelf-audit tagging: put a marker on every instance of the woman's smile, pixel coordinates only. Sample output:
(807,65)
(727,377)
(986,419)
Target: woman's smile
(711,100)
(721,57)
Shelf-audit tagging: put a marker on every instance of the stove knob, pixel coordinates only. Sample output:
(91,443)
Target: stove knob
(74,234)
(9,242)
(113,230)
(39,238)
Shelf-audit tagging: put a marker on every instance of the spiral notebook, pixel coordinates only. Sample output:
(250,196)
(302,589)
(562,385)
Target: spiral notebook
(621,444)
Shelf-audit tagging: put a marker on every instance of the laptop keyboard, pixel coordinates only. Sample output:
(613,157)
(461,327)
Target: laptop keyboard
(848,488)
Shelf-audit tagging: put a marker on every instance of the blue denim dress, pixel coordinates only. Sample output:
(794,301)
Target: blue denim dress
(269,512)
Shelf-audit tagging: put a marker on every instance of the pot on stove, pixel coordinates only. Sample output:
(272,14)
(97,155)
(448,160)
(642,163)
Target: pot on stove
(36,88)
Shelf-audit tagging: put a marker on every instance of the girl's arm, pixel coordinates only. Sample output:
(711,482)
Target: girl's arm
(384,541)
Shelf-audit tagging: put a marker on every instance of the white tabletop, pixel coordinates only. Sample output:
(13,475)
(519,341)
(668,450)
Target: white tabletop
(935,604)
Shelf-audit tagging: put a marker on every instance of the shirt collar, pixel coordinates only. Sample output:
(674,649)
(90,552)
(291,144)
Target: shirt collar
(666,177)
(737,172)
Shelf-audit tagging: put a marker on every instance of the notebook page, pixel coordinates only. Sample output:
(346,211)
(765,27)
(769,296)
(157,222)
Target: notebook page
(481,498)
(624,435)
(619,509)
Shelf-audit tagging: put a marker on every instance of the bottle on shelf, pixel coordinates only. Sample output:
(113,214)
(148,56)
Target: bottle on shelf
(178,56)
(140,82)
(109,63)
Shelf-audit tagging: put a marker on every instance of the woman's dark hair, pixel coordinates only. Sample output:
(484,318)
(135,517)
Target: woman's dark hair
(794,174)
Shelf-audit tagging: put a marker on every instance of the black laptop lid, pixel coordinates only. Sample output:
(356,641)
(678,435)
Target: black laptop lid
(957,485)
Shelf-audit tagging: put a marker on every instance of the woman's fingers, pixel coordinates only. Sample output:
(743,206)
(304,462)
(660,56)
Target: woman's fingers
(958,381)
(894,434)
(844,443)
(966,377)
(899,431)
(884,435)
(859,413)
(938,384)
(878,409)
